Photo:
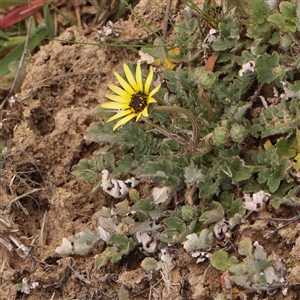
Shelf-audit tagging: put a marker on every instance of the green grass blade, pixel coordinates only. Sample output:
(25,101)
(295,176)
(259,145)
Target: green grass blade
(16,54)
(48,21)
(12,42)
(4,35)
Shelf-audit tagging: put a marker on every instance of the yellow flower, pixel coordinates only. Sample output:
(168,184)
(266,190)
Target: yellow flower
(133,98)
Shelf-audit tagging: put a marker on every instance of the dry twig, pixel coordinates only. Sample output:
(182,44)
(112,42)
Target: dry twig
(166,19)
(290,221)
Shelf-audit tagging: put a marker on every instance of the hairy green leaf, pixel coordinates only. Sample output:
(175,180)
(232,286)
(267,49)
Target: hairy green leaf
(288,10)
(259,11)
(239,171)
(219,260)
(212,214)
(265,65)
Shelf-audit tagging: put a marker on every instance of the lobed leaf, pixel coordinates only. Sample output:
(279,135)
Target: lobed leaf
(265,65)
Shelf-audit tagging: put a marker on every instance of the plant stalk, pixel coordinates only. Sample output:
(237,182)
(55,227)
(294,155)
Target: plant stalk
(188,114)
(163,131)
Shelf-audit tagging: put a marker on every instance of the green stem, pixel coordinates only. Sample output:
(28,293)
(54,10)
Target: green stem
(206,103)
(163,131)
(188,114)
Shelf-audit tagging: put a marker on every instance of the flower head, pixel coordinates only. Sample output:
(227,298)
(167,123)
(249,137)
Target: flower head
(133,98)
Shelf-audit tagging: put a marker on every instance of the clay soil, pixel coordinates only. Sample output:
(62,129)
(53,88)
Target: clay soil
(41,201)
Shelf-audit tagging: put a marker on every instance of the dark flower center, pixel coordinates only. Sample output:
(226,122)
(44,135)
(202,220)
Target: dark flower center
(138,102)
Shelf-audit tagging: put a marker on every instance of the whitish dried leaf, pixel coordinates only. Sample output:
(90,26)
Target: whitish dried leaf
(114,187)
(81,244)
(106,223)
(210,38)
(145,57)
(270,275)
(65,248)
(195,242)
(272,3)
(279,265)
(27,287)
(257,202)
(288,93)
(149,242)
(84,242)
(160,195)
(220,229)
(248,67)
(104,235)
(200,255)
(259,252)
(192,174)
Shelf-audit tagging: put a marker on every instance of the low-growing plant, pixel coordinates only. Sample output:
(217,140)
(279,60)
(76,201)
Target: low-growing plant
(222,125)
(257,271)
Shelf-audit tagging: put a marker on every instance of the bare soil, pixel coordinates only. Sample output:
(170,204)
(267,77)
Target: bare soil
(41,201)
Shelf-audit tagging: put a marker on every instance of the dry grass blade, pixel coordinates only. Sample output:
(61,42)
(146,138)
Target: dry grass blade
(22,196)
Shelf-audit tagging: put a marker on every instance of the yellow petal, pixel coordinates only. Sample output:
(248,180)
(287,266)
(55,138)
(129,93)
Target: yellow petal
(145,112)
(124,120)
(154,91)
(130,78)
(119,91)
(148,81)
(150,100)
(119,115)
(118,98)
(124,84)
(114,105)
(138,116)
(139,79)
